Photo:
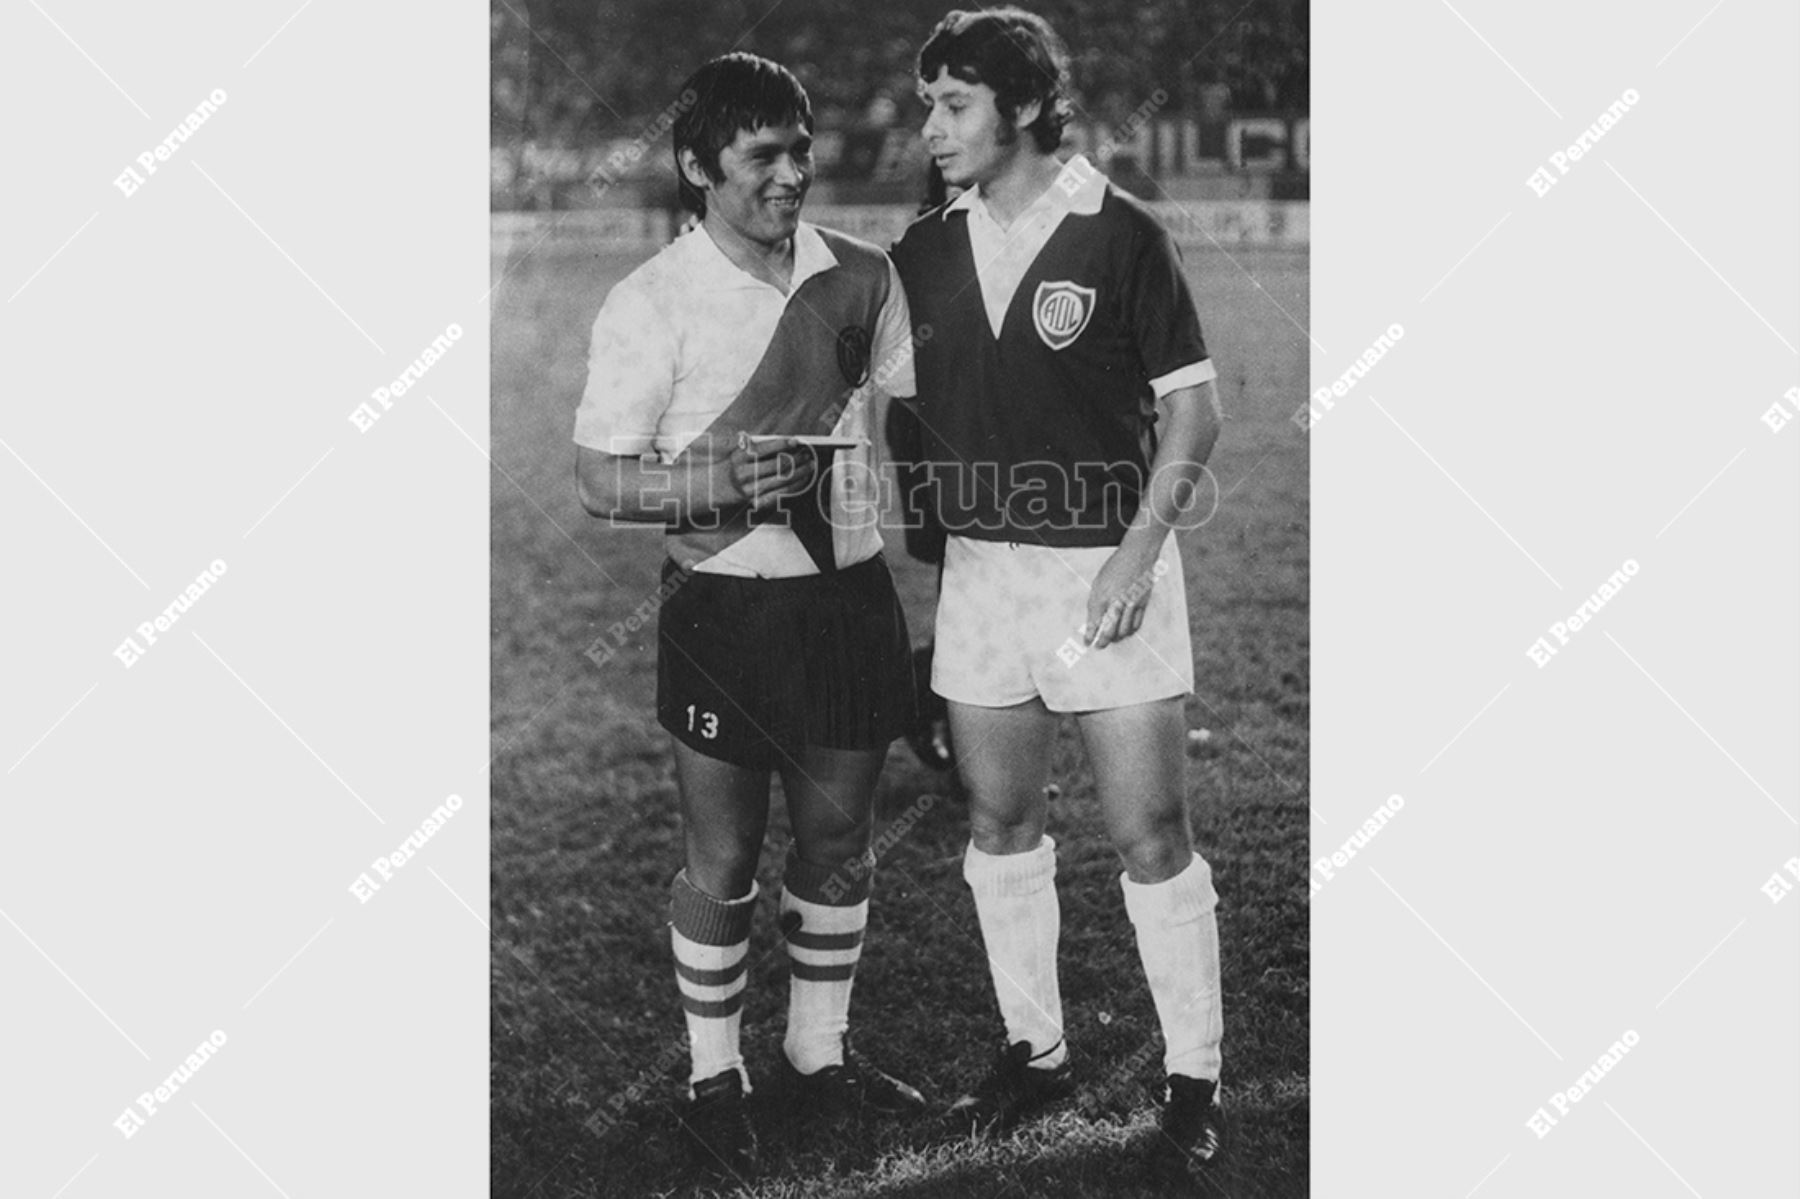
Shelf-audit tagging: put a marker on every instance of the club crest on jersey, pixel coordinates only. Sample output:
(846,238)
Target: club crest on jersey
(1061,311)
(853,354)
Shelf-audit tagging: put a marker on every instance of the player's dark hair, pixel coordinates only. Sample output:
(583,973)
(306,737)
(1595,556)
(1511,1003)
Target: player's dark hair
(731,93)
(1012,51)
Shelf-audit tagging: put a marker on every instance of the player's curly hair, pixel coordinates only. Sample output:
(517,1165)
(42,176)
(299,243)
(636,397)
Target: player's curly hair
(1012,51)
(733,92)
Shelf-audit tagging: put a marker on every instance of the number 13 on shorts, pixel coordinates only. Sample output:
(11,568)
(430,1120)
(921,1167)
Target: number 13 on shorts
(708,722)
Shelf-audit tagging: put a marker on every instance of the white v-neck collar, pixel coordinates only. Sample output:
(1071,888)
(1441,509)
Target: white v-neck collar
(1004,256)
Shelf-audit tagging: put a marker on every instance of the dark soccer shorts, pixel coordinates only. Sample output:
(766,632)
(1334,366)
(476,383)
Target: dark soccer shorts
(751,671)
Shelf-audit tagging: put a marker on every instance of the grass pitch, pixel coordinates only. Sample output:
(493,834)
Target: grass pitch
(587,1037)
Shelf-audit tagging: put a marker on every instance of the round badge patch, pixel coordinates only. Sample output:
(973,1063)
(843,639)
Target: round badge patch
(853,354)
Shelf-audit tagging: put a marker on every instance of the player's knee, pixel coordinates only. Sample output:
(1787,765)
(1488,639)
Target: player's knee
(1006,832)
(722,870)
(837,840)
(1155,850)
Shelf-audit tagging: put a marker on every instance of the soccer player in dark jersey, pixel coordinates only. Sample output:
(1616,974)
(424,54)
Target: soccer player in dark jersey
(1052,322)
(781,646)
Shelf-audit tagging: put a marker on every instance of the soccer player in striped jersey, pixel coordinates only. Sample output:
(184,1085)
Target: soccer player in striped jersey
(1059,324)
(781,646)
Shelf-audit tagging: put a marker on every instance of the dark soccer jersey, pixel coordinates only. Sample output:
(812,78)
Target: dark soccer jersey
(1045,434)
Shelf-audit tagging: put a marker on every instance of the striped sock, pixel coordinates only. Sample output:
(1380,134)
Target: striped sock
(823,913)
(711,938)
(1178,942)
(1015,899)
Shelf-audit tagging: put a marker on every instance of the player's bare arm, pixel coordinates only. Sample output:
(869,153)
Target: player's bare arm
(756,475)
(1189,421)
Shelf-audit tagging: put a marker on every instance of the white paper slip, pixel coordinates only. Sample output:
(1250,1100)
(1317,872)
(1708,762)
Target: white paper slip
(820,440)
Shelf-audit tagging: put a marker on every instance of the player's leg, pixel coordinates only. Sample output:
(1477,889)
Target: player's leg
(724,812)
(824,913)
(1128,700)
(1010,864)
(854,684)
(710,700)
(1003,755)
(825,896)
(1003,733)
(1138,757)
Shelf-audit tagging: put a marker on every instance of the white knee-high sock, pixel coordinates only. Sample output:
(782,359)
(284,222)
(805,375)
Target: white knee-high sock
(711,939)
(1178,942)
(824,911)
(1015,898)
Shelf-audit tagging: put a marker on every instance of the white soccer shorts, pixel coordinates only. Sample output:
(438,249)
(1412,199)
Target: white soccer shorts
(1009,624)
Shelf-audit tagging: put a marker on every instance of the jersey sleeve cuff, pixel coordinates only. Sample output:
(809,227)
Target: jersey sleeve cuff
(1191,375)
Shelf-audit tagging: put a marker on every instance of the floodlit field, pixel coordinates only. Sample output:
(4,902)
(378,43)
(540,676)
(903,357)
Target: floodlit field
(585,834)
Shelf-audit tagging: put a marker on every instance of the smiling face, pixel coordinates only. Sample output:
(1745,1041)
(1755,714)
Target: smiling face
(764,175)
(966,136)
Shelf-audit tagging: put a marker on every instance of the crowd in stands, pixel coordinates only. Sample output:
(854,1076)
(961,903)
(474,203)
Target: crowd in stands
(573,74)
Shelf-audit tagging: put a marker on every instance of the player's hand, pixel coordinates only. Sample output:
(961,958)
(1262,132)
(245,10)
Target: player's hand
(763,472)
(1120,595)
